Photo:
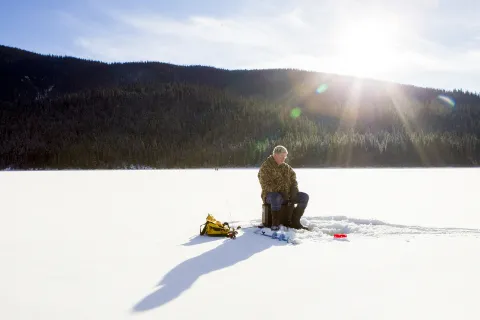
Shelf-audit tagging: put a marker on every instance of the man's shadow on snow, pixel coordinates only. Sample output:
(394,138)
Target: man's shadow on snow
(181,277)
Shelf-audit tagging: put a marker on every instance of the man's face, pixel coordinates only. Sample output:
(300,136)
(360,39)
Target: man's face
(280,157)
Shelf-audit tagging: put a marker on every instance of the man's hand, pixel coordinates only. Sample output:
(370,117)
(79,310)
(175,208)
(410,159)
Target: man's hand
(293,193)
(287,199)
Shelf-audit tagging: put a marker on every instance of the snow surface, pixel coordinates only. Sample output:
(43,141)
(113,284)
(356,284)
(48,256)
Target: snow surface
(124,244)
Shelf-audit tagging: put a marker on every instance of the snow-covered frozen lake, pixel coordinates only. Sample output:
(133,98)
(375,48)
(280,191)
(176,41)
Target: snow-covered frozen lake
(124,244)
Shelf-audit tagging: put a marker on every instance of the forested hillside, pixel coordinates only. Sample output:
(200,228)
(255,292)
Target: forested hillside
(63,112)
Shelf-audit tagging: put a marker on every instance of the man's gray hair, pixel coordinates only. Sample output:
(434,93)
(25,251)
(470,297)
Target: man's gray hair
(279,149)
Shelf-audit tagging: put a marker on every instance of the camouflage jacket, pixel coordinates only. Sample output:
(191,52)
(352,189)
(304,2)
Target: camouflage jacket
(276,178)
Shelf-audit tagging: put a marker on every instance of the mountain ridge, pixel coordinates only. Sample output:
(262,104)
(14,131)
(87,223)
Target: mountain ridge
(65,112)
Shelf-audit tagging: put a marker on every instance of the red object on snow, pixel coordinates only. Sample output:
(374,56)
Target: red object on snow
(339,235)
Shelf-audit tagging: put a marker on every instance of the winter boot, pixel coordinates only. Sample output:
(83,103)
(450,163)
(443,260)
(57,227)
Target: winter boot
(297,214)
(276,219)
(287,215)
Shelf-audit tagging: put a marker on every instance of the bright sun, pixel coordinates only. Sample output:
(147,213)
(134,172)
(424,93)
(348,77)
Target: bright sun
(367,48)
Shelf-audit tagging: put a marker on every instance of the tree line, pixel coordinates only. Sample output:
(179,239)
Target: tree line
(194,117)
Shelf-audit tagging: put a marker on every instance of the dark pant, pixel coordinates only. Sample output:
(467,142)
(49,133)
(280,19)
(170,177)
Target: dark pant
(276,200)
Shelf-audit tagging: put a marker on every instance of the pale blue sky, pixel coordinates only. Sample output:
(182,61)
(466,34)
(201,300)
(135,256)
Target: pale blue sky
(433,43)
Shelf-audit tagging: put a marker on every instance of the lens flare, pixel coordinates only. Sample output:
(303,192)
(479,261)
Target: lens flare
(295,113)
(447,100)
(322,88)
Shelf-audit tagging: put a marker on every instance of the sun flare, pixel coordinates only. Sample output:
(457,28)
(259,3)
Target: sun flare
(368,47)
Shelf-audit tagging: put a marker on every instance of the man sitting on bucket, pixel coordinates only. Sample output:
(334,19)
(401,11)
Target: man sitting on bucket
(279,186)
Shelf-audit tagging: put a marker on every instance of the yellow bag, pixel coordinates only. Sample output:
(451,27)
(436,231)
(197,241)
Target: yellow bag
(214,228)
